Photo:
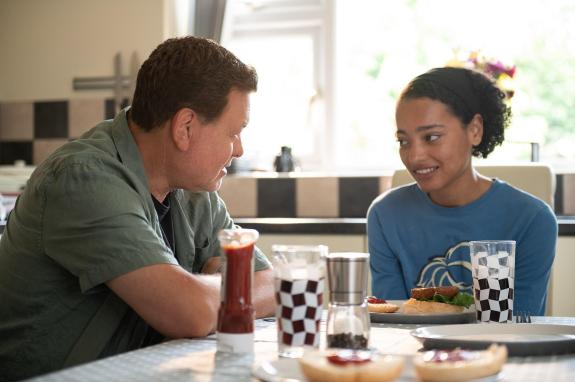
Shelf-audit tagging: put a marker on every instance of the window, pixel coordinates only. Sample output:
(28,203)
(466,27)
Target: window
(331,72)
(282,39)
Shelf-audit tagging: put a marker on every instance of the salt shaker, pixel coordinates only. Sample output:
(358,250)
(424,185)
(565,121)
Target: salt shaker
(348,317)
(235,329)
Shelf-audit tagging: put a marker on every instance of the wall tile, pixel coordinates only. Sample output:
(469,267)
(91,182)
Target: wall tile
(16,121)
(110,110)
(558,197)
(276,197)
(568,194)
(356,194)
(240,196)
(51,119)
(84,114)
(13,151)
(317,197)
(44,147)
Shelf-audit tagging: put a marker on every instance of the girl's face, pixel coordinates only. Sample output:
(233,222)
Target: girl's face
(436,147)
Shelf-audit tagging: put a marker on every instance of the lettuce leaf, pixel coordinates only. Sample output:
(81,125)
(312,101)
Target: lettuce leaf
(460,299)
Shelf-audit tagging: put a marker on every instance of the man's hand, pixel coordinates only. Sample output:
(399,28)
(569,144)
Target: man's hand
(180,304)
(263,288)
(264,299)
(212,265)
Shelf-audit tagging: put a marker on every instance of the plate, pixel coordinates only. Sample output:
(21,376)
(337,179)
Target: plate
(467,316)
(287,370)
(520,339)
(280,370)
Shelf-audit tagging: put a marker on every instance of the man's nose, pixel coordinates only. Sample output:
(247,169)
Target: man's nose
(238,148)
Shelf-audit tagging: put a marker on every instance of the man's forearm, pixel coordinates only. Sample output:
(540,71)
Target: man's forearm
(263,293)
(263,288)
(172,300)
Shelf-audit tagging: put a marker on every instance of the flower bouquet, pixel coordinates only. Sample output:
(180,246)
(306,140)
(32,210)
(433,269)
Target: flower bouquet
(501,73)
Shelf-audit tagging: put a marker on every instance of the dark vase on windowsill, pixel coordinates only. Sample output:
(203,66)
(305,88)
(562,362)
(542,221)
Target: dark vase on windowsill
(284,161)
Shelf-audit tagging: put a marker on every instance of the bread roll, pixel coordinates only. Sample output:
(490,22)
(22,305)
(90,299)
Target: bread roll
(480,364)
(413,306)
(382,308)
(317,368)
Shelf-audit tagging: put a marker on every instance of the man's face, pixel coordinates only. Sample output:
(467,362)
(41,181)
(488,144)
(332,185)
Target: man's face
(215,144)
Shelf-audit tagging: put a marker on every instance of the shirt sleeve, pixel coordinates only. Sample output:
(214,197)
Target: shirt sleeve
(386,273)
(96,225)
(533,261)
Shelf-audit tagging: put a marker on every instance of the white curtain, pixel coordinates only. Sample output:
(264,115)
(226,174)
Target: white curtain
(209,18)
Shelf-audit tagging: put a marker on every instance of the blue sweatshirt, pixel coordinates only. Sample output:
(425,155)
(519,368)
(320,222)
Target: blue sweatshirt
(415,243)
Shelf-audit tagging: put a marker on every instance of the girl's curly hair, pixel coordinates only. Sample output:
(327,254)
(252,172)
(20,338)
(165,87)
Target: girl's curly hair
(488,97)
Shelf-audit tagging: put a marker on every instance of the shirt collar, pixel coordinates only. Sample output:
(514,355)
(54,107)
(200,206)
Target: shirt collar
(126,146)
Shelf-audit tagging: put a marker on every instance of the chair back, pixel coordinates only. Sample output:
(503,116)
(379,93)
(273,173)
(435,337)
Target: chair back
(537,179)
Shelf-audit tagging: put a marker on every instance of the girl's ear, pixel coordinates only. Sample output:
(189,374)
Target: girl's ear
(181,128)
(475,130)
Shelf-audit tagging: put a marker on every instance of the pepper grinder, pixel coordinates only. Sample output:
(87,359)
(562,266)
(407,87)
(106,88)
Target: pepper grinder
(348,318)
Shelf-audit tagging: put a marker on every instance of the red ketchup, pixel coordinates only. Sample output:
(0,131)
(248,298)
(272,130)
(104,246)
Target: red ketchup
(345,358)
(455,355)
(236,314)
(375,300)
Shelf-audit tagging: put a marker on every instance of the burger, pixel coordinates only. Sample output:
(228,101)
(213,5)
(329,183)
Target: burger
(437,300)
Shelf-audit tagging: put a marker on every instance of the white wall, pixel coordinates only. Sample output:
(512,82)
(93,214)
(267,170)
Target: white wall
(44,44)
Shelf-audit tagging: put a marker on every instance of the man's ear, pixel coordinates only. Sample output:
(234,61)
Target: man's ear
(475,129)
(181,127)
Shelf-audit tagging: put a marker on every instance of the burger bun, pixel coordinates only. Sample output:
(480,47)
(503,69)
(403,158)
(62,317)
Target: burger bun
(317,368)
(483,363)
(413,306)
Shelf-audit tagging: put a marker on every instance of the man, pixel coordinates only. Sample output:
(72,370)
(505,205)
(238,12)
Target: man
(104,249)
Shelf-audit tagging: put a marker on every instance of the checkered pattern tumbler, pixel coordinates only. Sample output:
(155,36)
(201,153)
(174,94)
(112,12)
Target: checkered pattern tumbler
(299,285)
(493,269)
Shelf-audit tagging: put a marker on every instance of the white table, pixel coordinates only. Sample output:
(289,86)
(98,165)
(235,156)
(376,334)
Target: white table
(196,360)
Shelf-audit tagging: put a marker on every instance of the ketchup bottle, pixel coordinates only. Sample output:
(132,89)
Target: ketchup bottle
(235,330)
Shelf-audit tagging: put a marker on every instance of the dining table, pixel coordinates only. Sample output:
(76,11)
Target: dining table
(197,359)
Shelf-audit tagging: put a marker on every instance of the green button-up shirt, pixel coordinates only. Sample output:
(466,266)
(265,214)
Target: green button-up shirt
(86,217)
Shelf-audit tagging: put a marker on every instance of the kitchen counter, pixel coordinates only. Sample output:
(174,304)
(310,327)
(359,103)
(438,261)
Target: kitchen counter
(343,226)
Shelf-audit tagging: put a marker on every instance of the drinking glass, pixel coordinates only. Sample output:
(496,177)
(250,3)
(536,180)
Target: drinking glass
(493,271)
(299,273)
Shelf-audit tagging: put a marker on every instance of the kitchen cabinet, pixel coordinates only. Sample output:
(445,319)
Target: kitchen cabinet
(562,280)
